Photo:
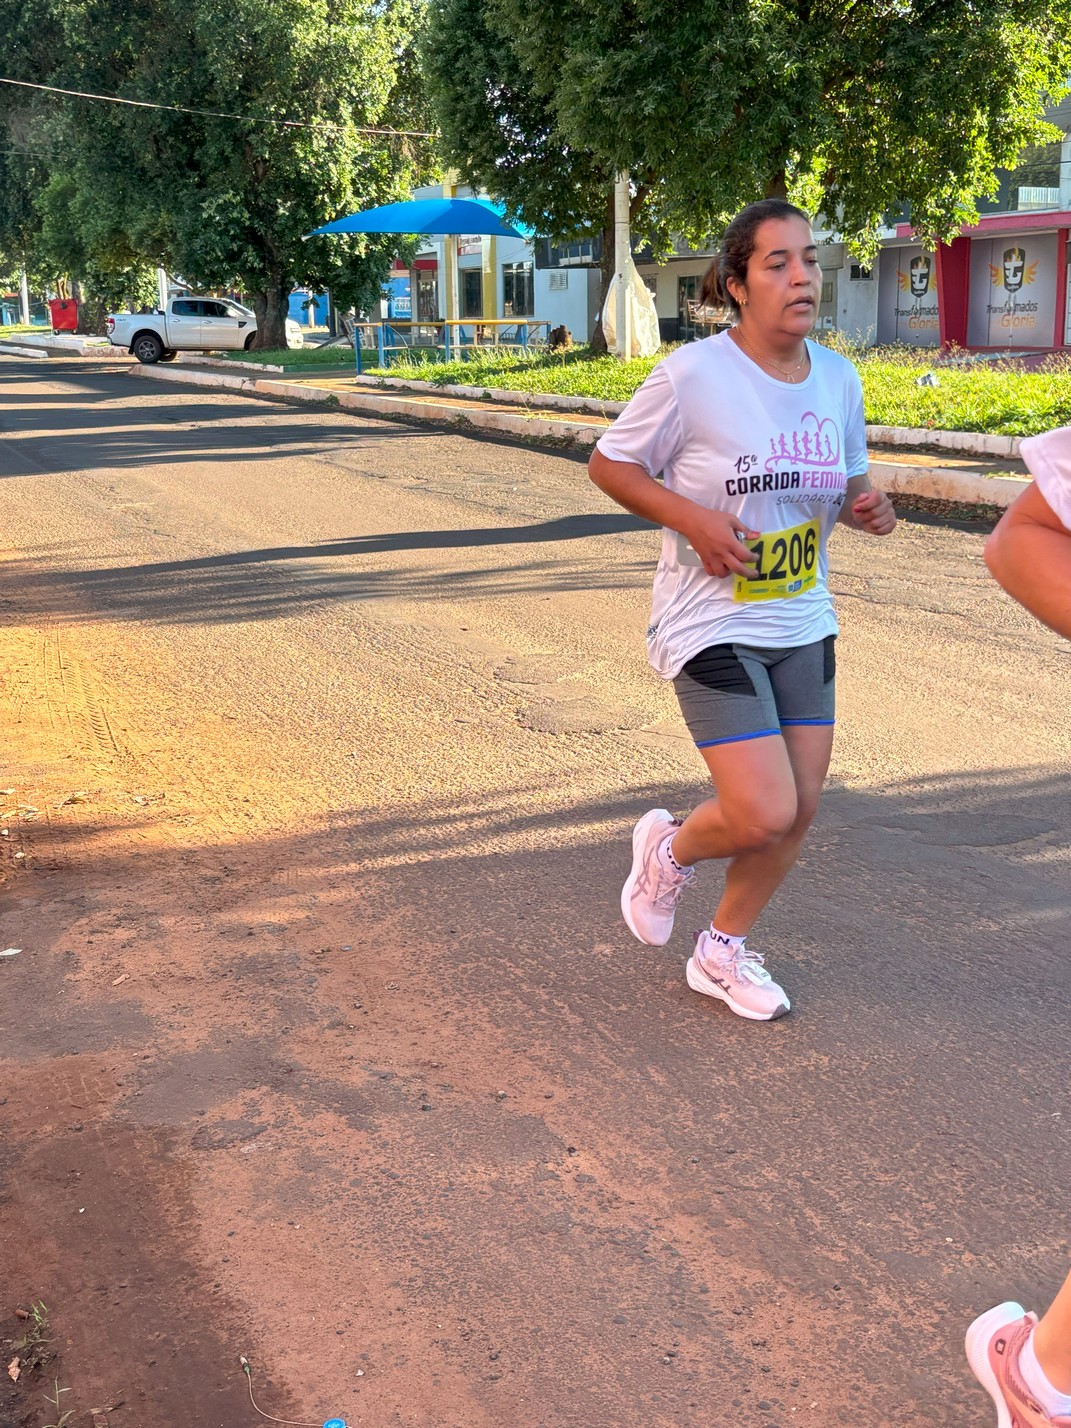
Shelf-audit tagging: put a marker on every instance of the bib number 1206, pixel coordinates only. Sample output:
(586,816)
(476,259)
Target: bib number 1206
(786,565)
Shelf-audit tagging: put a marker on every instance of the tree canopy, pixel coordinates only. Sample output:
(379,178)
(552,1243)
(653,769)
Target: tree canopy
(222,201)
(855,107)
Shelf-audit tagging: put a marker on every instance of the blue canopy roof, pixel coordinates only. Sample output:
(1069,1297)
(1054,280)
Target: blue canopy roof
(429,215)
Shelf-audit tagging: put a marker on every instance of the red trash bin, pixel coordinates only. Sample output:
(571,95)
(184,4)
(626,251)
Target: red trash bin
(64,314)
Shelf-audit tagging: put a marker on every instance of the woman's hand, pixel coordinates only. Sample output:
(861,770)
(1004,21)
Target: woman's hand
(716,538)
(873,512)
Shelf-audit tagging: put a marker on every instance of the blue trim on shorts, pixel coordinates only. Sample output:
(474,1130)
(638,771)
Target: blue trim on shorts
(794,723)
(737,738)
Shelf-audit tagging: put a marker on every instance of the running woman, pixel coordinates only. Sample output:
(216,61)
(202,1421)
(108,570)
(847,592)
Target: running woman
(1024,1363)
(761,439)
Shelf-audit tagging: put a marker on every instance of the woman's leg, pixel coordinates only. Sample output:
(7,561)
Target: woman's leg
(767,794)
(752,878)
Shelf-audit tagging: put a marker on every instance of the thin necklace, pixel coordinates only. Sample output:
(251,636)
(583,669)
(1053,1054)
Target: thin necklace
(768,362)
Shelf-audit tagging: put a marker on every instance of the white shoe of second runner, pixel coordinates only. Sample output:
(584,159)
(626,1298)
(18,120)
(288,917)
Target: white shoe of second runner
(737,978)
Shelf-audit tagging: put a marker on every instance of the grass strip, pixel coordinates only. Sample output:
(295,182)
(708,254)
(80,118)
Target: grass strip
(997,397)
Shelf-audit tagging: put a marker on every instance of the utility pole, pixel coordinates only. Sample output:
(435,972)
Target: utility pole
(25,299)
(622,265)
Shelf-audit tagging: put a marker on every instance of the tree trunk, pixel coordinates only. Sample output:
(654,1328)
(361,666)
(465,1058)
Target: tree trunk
(776,187)
(271,307)
(606,273)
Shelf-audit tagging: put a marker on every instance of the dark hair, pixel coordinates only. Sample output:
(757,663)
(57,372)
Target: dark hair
(737,246)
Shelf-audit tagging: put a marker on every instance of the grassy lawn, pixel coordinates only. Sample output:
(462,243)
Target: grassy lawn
(995,397)
(296,357)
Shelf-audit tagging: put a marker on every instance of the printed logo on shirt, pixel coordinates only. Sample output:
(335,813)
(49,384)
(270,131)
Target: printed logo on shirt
(816,441)
(807,458)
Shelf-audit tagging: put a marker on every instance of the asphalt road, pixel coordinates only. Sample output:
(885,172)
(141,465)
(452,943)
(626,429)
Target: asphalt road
(326,1044)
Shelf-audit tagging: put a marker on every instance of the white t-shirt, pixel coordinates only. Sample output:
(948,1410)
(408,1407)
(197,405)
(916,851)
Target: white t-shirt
(1048,459)
(776,455)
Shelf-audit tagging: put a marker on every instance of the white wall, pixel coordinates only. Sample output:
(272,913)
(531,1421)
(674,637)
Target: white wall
(857,305)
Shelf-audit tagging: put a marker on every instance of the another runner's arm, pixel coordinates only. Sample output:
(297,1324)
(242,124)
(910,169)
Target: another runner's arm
(1029,554)
(865,509)
(713,535)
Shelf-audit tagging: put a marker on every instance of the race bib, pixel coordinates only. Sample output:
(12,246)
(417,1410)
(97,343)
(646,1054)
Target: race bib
(787,565)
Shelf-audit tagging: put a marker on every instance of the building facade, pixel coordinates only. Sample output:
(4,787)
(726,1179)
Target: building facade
(499,278)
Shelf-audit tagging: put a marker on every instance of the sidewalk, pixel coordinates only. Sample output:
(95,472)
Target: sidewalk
(966,468)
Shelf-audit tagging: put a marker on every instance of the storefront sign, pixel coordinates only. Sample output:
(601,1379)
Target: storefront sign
(907,297)
(469,244)
(1013,291)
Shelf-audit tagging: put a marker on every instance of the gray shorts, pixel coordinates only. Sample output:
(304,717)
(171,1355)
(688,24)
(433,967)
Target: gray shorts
(733,692)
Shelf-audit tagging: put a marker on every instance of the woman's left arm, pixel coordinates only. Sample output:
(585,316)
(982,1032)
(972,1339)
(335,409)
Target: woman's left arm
(865,509)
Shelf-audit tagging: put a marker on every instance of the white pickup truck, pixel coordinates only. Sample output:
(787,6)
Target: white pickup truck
(187,324)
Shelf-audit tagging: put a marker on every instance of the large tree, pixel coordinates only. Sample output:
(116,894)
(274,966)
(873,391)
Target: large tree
(856,106)
(225,201)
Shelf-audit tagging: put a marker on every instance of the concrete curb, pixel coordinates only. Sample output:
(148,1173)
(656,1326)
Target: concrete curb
(966,443)
(200,359)
(935,483)
(8,349)
(942,484)
(62,343)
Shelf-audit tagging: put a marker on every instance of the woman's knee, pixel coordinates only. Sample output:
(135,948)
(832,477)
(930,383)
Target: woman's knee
(761,825)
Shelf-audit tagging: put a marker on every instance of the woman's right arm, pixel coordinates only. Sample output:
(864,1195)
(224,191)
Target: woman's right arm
(713,535)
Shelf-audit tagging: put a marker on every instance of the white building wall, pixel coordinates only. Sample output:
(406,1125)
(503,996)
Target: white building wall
(857,303)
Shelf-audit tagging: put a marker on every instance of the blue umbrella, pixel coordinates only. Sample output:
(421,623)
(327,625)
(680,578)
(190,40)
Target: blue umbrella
(429,215)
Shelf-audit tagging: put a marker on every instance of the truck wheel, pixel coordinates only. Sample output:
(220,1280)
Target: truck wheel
(168,355)
(249,341)
(148,348)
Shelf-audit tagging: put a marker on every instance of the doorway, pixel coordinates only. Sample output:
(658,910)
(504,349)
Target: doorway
(471,292)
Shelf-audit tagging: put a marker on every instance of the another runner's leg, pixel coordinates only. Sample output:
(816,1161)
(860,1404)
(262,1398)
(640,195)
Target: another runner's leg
(1052,1342)
(1024,1365)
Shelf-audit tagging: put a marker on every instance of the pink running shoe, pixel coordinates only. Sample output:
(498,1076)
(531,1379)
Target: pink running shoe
(994,1342)
(652,890)
(736,978)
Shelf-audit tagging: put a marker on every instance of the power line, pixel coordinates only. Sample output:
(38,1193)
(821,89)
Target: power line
(214,114)
(31,153)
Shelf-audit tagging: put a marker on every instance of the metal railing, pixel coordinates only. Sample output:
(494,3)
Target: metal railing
(448,340)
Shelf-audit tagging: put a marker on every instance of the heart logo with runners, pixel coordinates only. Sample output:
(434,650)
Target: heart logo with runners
(816,441)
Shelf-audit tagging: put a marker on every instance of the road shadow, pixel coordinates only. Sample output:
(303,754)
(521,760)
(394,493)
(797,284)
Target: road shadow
(652,1158)
(265,583)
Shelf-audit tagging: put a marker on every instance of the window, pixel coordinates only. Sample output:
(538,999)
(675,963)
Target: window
(860,274)
(827,291)
(214,309)
(182,307)
(518,290)
(557,281)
